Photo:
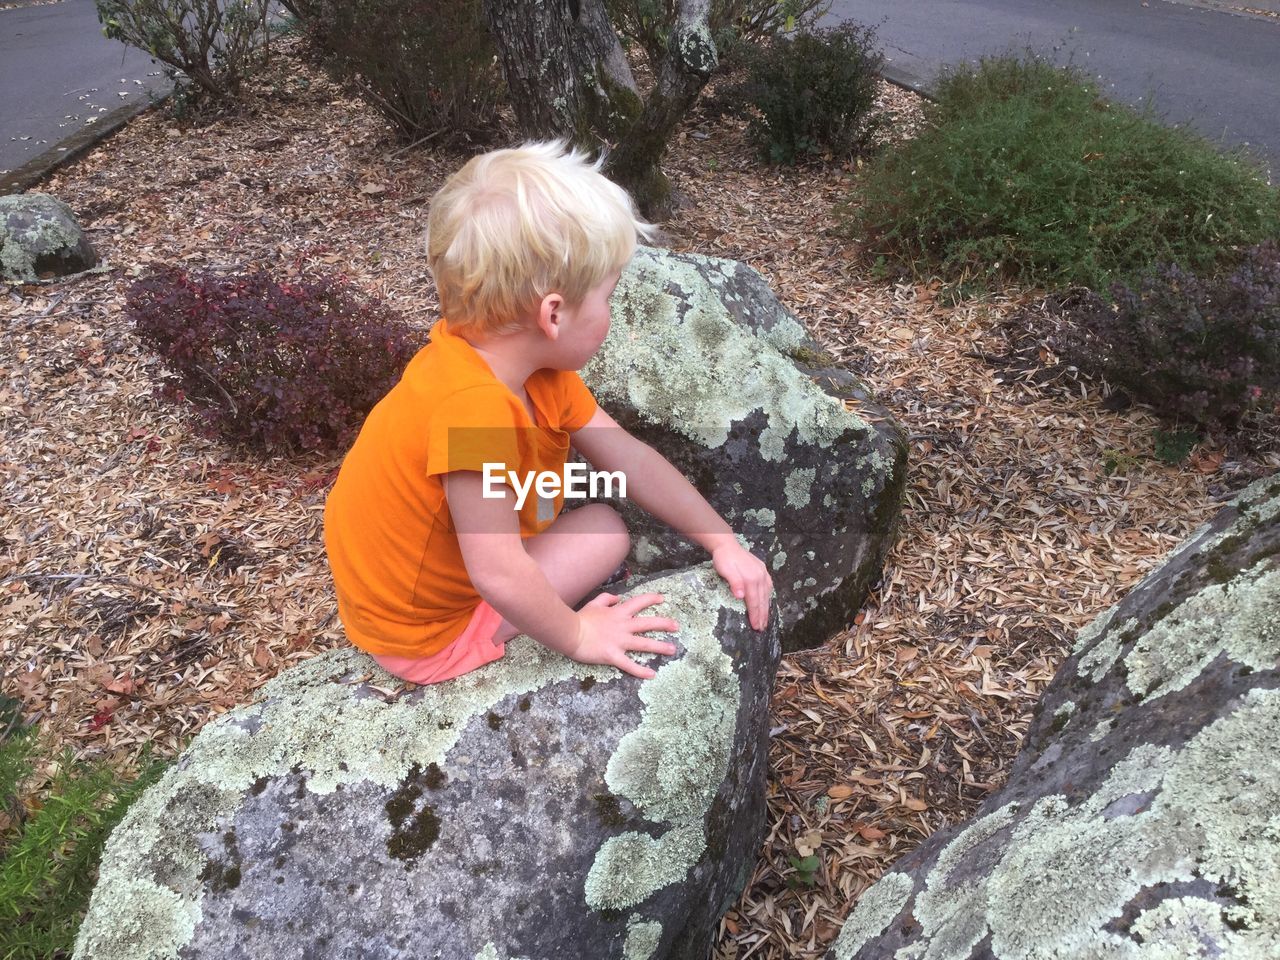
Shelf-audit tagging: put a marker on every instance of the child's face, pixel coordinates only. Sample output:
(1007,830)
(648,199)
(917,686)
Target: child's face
(586,325)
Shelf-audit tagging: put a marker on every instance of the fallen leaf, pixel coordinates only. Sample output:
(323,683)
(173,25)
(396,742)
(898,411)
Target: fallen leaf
(1208,461)
(852,850)
(124,686)
(808,844)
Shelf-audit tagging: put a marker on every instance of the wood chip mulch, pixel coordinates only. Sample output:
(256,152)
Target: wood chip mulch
(151,580)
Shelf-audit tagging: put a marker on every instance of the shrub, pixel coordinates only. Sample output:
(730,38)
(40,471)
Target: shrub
(49,857)
(815,93)
(427,65)
(1024,172)
(274,366)
(213,45)
(1203,349)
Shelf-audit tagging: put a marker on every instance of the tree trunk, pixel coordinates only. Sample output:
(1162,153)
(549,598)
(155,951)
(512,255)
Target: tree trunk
(543,64)
(568,77)
(681,74)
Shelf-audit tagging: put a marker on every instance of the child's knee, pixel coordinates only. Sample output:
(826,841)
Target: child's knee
(607,522)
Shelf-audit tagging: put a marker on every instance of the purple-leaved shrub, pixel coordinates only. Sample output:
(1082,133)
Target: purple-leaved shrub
(1205,349)
(280,367)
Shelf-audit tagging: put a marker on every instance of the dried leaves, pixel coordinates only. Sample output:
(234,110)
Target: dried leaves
(150,579)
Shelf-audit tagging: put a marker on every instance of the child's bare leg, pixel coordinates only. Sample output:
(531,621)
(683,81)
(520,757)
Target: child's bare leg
(576,553)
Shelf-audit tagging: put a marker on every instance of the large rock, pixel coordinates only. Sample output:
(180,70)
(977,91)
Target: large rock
(536,808)
(1142,818)
(39,238)
(703,363)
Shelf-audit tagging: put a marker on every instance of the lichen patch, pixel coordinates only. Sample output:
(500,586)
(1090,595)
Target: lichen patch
(643,937)
(1240,618)
(305,718)
(681,359)
(876,909)
(671,765)
(1067,871)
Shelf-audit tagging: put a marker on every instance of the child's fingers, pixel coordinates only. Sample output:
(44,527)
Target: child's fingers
(651,645)
(635,604)
(603,600)
(640,624)
(734,580)
(762,604)
(627,665)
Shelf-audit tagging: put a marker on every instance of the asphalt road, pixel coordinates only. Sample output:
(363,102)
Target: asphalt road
(1217,72)
(59,73)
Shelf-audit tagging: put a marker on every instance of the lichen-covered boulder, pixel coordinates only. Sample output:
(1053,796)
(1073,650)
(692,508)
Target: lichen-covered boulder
(535,808)
(39,238)
(704,364)
(1141,821)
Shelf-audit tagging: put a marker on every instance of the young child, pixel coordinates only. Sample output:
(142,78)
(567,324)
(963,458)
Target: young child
(434,568)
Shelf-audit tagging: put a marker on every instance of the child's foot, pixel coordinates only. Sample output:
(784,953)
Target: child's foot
(619,575)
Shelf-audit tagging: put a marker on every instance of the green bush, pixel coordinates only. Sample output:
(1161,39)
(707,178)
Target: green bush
(208,49)
(1201,350)
(815,92)
(426,65)
(1024,172)
(49,858)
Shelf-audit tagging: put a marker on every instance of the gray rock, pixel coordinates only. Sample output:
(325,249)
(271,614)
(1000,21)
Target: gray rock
(536,807)
(1142,818)
(704,364)
(39,238)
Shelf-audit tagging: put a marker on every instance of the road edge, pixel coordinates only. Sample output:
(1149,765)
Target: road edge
(902,77)
(76,145)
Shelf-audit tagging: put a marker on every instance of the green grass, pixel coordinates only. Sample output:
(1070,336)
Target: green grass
(1023,172)
(49,858)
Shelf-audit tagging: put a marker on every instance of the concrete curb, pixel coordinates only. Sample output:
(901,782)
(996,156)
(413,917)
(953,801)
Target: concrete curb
(79,143)
(902,77)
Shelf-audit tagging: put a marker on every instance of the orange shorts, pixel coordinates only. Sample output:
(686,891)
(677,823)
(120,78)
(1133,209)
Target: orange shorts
(473,648)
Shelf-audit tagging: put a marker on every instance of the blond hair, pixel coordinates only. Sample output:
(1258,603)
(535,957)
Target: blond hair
(514,225)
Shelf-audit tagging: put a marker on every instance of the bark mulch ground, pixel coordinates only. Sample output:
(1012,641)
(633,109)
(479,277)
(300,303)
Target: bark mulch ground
(151,580)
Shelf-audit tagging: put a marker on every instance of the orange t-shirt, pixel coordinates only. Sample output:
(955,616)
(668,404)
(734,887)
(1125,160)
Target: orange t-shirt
(402,586)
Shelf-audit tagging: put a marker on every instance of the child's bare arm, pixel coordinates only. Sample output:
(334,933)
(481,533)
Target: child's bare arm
(512,582)
(658,487)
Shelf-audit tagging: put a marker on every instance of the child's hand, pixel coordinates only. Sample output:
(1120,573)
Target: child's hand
(607,629)
(748,578)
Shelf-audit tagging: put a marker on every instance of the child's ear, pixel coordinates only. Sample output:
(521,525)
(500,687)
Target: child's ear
(549,315)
